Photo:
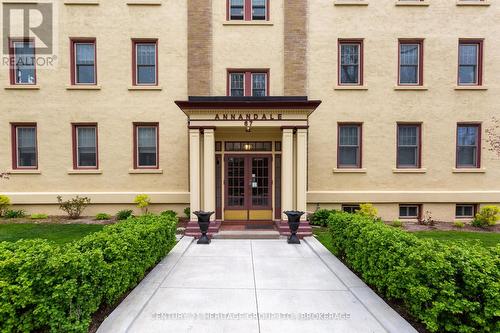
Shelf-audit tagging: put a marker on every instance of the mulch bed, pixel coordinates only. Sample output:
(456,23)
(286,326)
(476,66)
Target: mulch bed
(446,226)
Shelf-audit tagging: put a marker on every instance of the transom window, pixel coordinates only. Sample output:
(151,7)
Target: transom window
(349,146)
(350,62)
(465,210)
(248,10)
(410,62)
(84,67)
(146,146)
(468,145)
(409,142)
(24,146)
(248,146)
(248,83)
(470,55)
(23,70)
(409,211)
(146,63)
(85,146)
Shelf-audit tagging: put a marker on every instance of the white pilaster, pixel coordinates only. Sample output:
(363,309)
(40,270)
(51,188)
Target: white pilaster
(302,171)
(209,171)
(194,171)
(287,171)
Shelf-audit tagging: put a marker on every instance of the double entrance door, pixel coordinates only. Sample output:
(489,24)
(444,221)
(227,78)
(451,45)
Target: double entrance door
(248,188)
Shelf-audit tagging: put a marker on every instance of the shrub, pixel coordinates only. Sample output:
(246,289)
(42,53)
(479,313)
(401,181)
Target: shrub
(187,212)
(143,201)
(488,216)
(4,204)
(458,224)
(427,219)
(368,210)
(397,224)
(123,214)
(39,216)
(320,217)
(103,217)
(73,207)
(15,214)
(56,288)
(169,213)
(449,287)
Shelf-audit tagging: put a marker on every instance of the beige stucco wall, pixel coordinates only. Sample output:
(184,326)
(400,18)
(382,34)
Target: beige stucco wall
(261,45)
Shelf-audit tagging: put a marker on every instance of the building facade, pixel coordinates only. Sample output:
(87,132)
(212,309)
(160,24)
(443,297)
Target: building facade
(203,104)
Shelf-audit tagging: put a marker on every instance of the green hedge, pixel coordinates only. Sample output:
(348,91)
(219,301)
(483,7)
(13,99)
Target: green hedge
(450,287)
(46,287)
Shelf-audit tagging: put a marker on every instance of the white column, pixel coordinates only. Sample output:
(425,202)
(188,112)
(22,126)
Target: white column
(194,171)
(209,171)
(302,171)
(287,171)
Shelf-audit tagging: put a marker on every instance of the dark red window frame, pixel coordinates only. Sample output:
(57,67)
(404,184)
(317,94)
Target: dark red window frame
(480,46)
(478,150)
(12,60)
(73,42)
(136,41)
(136,150)
(74,127)
(247,16)
(14,127)
(419,148)
(248,79)
(359,42)
(420,42)
(359,164)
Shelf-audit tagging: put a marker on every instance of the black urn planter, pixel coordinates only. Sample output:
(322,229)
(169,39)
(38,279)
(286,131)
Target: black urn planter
(293,223)
(204,223)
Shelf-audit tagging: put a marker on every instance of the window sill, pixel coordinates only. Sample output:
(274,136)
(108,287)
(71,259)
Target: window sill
(83,87)
(402,170)
(467,170)
(153,88)
(480,88)
(416,3)
(410,88)
(340,170)
(24,172)
(85,172)
(337,87)
(350,2)
(23,87)
(81,2)
(145,171)
(144,3)
(254,23)
(473,3)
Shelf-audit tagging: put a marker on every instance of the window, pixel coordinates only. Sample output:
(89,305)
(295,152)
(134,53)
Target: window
(411,62)
(146,146)
(465,210)
(470,62)
(24,146)
(248,10)
(350,208)
(409,211)
(409,146)
(468,146)
(83,62)
(23,62)
(350,70)
(248,83)
(349,146)
(85,146)
(145,60)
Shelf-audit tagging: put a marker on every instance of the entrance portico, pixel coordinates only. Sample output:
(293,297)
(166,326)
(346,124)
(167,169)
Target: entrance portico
(248,158)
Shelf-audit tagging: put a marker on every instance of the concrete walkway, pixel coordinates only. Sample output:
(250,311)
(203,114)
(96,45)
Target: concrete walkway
(266,286)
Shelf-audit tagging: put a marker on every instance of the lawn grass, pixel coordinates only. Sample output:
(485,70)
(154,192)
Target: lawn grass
(486,239)
(324,237)
(59,233)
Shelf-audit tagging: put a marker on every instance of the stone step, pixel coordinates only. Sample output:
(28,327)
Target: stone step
(247,234)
